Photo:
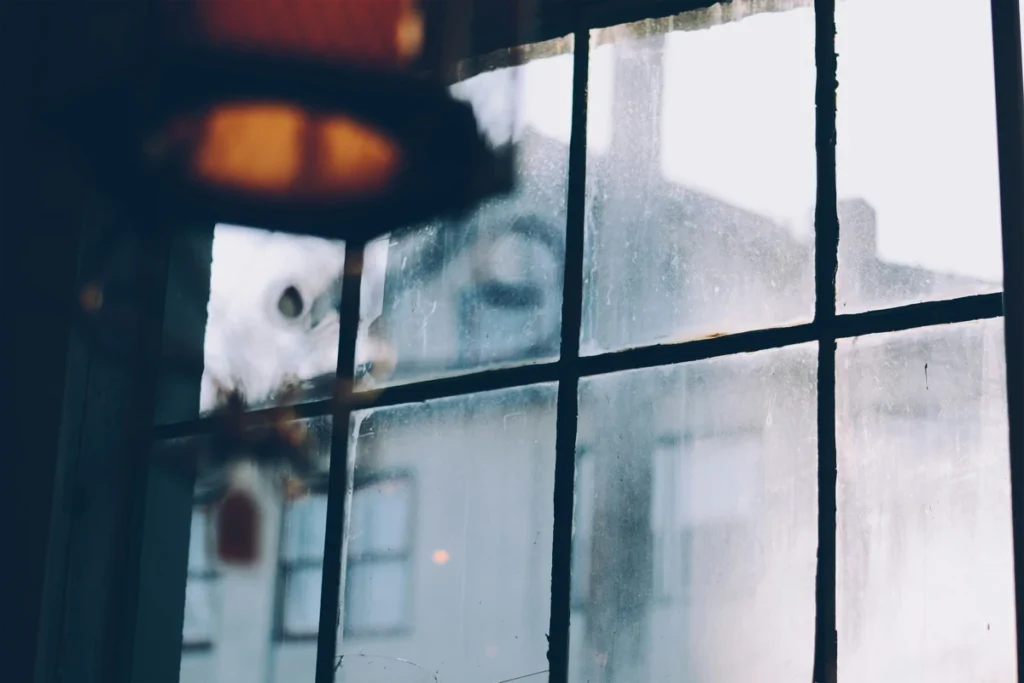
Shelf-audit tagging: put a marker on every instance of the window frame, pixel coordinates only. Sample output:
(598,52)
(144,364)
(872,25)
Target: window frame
(144,648)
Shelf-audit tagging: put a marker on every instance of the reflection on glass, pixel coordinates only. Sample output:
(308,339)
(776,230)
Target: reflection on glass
(483,290)
(696,502)
(693,211)
(916,153)
(271,320)
(200,589)
(237,620)
(449,545)
(925,566)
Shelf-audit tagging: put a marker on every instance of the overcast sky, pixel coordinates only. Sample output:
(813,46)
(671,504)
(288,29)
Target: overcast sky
(916,128)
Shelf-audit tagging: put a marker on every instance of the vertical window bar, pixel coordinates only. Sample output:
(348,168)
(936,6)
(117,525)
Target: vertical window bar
(337,487)
(569,365)
(1006,50)
(826,255)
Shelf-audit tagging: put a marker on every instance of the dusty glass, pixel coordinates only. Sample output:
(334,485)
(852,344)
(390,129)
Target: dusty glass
(240,624)
(916,153)
(700,189)
(696,505)
(924,549)
(482,290)
(459,565)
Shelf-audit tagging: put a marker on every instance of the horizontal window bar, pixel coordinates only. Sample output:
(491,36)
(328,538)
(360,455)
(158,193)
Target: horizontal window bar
(964,309)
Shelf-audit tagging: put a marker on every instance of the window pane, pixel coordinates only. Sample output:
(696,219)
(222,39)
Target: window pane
(305,528)
(703,496)
(478,572)
(242,613)
(917,162)
(380,517)
(200,593)
(483,290)
(925,564)
(377,598)
(198,557)
(698,218)
(302,602)
(272,319)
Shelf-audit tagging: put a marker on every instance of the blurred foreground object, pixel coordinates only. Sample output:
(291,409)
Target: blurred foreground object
(326,117)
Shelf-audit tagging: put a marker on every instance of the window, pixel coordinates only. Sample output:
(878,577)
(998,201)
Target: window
(201,586)
(379,555)
(378,583)
(713,396)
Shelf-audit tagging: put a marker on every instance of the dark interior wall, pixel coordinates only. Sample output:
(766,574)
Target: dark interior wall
(39,234)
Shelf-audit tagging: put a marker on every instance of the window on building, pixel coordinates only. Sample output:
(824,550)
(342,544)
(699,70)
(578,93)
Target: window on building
(200,625)
(378,577)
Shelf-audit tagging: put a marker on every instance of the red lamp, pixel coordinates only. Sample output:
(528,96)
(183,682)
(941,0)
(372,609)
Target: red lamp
(327,117)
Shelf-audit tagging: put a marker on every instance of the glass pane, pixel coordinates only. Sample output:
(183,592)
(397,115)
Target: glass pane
(698,220)
(305,528)
(700,520)
(200,593)
(477,571)
(375,669)
(271,321)
(483,290)
(925,564)
(380,520)
(302,601)
(377,597)
(243,615)
(198,557)
(917,162)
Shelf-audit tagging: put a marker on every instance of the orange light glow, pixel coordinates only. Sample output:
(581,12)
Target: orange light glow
(279,150)
(252,147)
(441,557)
(353,159)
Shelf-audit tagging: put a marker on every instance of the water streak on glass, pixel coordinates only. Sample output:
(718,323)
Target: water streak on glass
(695,533)
(481,290)
(696,210)
(917,164)
(924,550)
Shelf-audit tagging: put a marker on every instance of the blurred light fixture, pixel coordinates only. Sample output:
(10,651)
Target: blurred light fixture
(327,117)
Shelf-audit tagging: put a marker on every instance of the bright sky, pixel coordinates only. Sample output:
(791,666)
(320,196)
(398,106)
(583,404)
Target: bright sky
(916,127)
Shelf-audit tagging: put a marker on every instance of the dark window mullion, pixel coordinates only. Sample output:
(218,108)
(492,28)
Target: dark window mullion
(337,488)
(826,254)
(1009,88)
(569,366)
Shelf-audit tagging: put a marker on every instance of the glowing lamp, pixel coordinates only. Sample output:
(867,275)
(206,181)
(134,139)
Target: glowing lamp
(328,117)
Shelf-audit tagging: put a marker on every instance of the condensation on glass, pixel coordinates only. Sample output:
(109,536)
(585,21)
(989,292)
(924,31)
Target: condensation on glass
(482,290)
(701,186)
(917,164)
(695,532)
(924,550)
(237,625)
(448,552)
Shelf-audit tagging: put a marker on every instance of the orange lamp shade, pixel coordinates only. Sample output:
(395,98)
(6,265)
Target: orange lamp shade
(278,149)
(324,117)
